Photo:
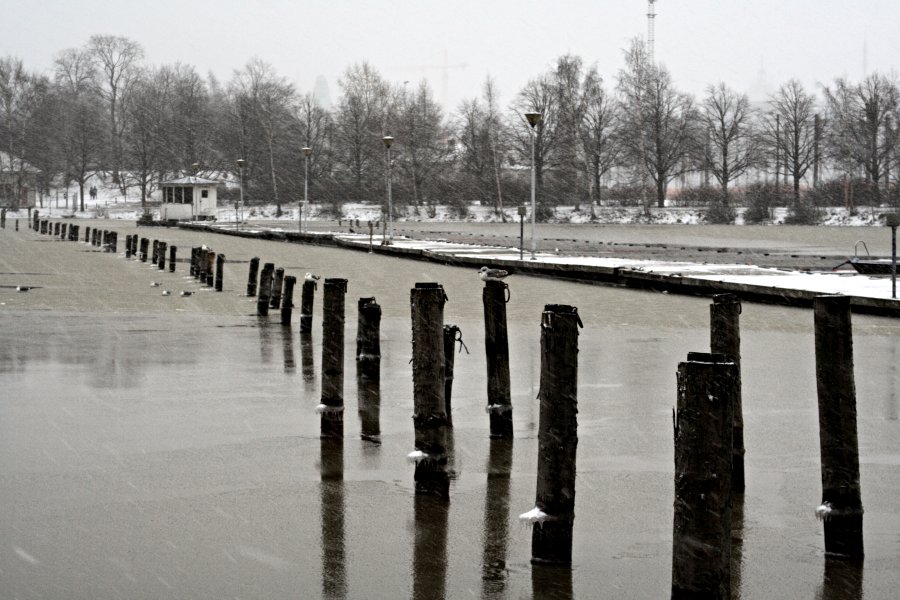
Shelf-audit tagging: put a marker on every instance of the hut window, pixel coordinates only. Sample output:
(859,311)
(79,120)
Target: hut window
(204,194)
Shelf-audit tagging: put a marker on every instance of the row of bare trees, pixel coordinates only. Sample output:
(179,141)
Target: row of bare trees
(104,109)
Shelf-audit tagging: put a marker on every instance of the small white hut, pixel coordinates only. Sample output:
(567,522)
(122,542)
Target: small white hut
(188,198)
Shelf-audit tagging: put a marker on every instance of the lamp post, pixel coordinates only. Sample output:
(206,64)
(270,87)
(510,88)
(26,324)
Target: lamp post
(892,220)
(533,120)
(388,140)
(307,151)
(239,213)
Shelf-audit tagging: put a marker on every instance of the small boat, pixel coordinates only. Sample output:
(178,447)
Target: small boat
(867,265)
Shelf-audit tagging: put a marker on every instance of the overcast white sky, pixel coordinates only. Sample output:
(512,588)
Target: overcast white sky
(744,43)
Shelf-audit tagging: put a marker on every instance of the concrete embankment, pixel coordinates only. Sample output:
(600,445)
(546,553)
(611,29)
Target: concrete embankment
(625,276)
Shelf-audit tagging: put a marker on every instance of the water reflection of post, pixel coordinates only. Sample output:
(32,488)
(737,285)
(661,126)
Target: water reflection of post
(430,552)
(307,361)
(551,582)
(287,345)
(842,580)
(496,518)
(265,341)
(737,543)
(334,577)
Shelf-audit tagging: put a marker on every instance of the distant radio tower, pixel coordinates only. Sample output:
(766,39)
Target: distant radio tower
(651,35)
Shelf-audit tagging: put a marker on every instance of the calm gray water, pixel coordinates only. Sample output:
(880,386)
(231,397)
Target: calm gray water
(158,447)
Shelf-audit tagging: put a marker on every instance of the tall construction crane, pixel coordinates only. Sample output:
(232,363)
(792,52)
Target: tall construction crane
(651,34)
(445,74)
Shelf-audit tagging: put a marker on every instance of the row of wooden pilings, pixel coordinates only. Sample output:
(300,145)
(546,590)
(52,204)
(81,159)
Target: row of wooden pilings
(106,240)
(707,421)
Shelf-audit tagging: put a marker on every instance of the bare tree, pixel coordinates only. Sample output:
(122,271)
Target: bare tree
(420,126)
(316,130)
(793,113)
(602,152)
(732,148)
(147,145)
(117,59)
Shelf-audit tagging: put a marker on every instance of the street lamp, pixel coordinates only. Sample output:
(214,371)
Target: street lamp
(533,120)
(239,213)
(307,151)
(388,140)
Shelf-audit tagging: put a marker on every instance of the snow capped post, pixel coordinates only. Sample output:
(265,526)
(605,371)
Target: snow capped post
(429,410)
(841,508)
(251,280)
(173,252)
(161,256)
(451,335)
(703,422)
(265,289)
(332,405)
(554,508)
(306,303)
(287,305)
(220,271)
(277,284)
(496,349)
(368,342)
(725,338)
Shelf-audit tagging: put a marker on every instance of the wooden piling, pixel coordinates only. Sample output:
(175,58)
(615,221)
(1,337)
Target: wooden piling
(161,258)
(287,303)
(3,218)
(841,509)
(554,512)
(62,231)
(202,264)
(254,273)
(306,305)
(145,243)
(703,423)
(430,413)
(56,227)
(154,257)
(87,234)
(210,268)
(173,253)
(112,245)
(331,407)
(368,342)
(220,271)
(277,284)
(496,346)
(195,262)
(265,289)
(35,219)
(451,335)
(725,338)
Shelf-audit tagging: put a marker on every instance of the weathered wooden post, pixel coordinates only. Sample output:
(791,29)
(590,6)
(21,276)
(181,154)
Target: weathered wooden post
(56,227)
(277,284)
(161,258)
(195,264)
(17,224)
(145,243)
(62,231)
(35,219)
(841,508)
(554,508)
(44,226)
(154,258)
(113,244)
(725,338)
(254,273)
(128,245)
(287,303)
(173,253)
(202,264)
(76,233)
(451,335)
(368,340)
(3,218)
(265,289)
(496,346)
(210,268)
(430,413)
(220,271)
(331,407)
(703,422)
(306,305)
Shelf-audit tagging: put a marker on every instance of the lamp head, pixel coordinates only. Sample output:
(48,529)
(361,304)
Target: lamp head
(533,119)
(240,163)
(388,140)
(307,151)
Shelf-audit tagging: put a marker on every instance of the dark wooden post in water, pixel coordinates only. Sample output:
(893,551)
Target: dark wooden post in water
(277,284)
(725,338)
(429,412)
(62,231)
(195,262)
(113,244)
(173,252)
(841,509)
(265,289)
(161,258)
(254,273)
(145,243)
(3,218)
(128,246)
(554,507)
(368,340)
(154,258)
(210,268)
(701,540)
(451,335)
(496,346)
(220,271)
(287,303)
(332,405)
(56,227)
(202,264)
(35,221)
(306,305)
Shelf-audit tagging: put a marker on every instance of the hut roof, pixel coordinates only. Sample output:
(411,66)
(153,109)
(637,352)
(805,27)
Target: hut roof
(191,180)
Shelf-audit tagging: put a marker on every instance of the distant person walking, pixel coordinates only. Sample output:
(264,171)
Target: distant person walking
(93,192)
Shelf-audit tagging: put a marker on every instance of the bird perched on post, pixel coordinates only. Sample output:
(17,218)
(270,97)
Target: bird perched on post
(487,274)
(311,277)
